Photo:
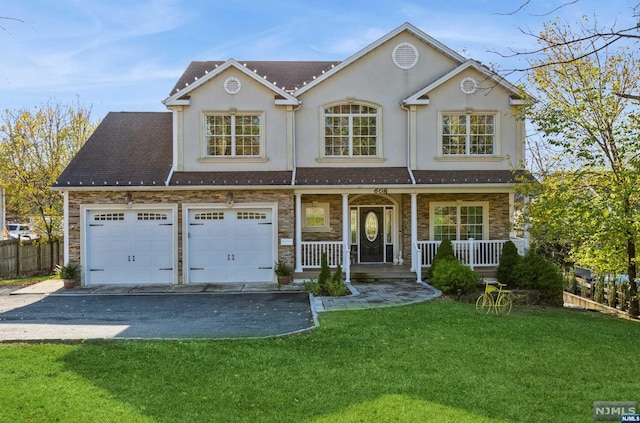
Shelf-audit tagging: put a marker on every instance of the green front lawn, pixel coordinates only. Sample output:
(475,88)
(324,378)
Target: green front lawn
(433,362)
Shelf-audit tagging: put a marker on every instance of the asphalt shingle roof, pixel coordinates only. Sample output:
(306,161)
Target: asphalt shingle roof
(449,177)
(352,176)
(287,74)
(239,178)
(127,148)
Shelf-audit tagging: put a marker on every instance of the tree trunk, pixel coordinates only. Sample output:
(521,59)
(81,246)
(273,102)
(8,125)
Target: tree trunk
(631,271)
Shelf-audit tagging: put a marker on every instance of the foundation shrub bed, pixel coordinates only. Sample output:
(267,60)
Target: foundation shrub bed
(450,275)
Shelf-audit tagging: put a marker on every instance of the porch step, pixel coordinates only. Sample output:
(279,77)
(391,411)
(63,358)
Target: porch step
(369,273)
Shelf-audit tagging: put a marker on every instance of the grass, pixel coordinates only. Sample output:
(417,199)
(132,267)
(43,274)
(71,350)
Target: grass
(433,362)
(29,280)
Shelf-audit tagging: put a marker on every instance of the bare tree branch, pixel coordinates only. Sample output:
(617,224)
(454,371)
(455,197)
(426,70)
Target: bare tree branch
(9,19)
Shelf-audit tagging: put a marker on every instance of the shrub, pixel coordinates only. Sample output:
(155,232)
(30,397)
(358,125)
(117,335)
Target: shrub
(571,282)
(312,286)
(333,286)
(624,295)
(325,273)
(451,275)
(598,295)
(445,252)
(336,286)
(509,259)
(612,293)
(534,271)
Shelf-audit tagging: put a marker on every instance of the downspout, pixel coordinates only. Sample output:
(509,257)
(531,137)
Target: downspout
(413,179)
(176,120)
(416,264)
(166,183)
(293,141)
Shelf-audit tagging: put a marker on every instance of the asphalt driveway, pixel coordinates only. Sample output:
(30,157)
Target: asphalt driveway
(153,316)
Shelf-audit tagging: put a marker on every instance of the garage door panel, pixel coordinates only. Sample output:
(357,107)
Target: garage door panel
(130,247)
(238,244)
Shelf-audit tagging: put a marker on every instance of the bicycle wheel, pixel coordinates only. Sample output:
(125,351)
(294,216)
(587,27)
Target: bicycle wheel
(484,303)
(503,304)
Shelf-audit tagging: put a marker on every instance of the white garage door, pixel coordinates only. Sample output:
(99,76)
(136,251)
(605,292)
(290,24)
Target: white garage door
(130,247)
(230,245)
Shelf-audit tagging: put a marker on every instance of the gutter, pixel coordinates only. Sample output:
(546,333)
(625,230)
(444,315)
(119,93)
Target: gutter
(404,107)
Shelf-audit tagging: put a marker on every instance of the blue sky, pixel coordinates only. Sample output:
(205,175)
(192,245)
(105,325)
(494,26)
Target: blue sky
(125,55)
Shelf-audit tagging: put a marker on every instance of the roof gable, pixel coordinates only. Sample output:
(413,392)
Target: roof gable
(419,97)
(437,45)
(281,77)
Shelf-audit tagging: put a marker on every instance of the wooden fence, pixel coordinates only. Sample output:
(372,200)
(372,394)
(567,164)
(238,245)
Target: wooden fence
(25,258)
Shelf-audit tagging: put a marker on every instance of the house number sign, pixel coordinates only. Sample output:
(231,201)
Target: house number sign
(379,190)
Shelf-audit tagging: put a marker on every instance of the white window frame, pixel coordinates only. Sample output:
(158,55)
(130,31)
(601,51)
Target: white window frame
(233,115)
(326,227)
(459,205)
(350,116)
(467,153)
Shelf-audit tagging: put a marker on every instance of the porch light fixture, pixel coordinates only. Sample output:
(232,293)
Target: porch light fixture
(229,198)
(128,198)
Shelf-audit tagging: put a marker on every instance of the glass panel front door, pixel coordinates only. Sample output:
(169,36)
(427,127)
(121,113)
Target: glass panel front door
(371,238)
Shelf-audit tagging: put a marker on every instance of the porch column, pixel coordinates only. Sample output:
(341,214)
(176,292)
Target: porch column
(298,233)
(415,260)
(346,238)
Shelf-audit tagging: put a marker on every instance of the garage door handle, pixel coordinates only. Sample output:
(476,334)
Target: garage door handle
(96,270)
(263,268)
(231,257)
(166,268)
(196,268)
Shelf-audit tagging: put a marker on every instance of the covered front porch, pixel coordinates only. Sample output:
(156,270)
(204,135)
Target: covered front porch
(386,235)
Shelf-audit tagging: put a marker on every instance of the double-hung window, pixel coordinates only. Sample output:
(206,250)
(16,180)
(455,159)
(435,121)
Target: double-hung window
(315,217)
(351,130)
(468,134)
(459,221)
(233,135)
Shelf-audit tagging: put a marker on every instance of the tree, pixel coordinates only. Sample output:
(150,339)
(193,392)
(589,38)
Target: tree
(592,37)
(594,201)
(35,147)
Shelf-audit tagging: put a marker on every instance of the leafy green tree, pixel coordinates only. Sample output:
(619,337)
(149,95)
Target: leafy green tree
(593,202)
(35,147)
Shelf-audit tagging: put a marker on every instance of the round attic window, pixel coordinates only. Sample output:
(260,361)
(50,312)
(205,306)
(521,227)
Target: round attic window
(232,85)
(468,85)
(405,56)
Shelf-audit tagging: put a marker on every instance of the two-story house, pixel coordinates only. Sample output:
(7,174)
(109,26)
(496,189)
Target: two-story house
(373,160)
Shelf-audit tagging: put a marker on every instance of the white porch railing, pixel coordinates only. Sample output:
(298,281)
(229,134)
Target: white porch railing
(484,253)
(312,253)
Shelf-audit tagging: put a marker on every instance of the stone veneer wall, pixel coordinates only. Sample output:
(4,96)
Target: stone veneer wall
(335,212)
(284,199)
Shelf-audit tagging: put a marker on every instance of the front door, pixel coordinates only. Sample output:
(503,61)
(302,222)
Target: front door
(371,239)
